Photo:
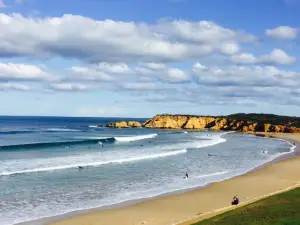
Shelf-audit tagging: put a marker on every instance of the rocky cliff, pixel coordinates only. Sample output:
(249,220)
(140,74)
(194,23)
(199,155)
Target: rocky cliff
(124,124)
(206,122)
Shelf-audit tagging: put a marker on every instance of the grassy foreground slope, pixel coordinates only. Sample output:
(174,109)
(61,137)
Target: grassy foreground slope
(281,209)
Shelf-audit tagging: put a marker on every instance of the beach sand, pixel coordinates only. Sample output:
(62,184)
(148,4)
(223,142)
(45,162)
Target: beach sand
(198,204)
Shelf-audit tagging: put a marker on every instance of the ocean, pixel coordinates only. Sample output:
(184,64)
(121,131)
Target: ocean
(40,156)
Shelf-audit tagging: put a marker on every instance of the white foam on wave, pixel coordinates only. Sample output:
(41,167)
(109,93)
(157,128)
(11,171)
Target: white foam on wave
(135,138)
(61,130)
(91,138)
(213,174)
(95,126)
(292,148)
(211,142)
(213,139)
(94,164)
(228,132)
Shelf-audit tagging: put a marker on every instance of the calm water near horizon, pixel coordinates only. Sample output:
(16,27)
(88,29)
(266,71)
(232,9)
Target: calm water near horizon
(40,156)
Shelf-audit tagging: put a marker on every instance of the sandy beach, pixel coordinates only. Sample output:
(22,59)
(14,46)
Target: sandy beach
(195,205)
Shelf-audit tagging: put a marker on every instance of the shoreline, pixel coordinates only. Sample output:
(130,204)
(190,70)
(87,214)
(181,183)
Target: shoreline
(105,213)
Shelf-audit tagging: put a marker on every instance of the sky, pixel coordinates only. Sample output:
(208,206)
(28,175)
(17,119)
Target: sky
(139,58)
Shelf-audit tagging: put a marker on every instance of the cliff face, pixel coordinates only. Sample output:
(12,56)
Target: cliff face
(124,124)
(205,122)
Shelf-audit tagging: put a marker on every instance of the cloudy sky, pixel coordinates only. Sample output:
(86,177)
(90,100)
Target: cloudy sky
(138,58)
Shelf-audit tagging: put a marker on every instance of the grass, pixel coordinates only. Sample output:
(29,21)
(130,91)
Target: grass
(281,209)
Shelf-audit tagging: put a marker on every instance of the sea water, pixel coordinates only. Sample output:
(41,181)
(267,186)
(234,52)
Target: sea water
(40,156)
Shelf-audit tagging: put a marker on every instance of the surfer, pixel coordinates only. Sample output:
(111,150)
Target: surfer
(265,151)
(102,146)
(142,145)
(186,176)
(210,154)
(80,167)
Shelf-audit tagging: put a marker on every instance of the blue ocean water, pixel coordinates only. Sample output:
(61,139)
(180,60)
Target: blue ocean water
(40,156)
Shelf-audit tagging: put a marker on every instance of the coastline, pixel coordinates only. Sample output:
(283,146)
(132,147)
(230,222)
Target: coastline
(175,208)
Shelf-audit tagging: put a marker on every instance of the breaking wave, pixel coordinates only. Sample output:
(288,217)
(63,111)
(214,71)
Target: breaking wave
(75,142)
(92,164)
(135,138)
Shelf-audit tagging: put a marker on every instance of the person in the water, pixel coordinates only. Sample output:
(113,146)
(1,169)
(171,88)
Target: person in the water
(186,176)
(80,167)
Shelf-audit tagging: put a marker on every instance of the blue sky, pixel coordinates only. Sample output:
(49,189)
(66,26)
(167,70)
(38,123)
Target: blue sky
(138,58)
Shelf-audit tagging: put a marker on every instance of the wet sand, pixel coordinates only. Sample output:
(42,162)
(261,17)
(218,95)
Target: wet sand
(198,204)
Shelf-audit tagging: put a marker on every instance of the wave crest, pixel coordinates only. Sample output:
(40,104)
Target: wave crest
(95,164)
(135,138)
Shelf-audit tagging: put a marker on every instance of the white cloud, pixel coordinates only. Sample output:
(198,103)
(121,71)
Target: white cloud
(176,75)
(114,41)
(118,68)
(136,86)
(14,86)
(88,74)
(201,32)
(282,32)
(155,66)
(244,58)
(229,48)
(68,87)
(262,76)
(11,71)
(162,72)
(276,57)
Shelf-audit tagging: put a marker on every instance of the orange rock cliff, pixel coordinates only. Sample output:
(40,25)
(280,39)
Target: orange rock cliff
(205,122)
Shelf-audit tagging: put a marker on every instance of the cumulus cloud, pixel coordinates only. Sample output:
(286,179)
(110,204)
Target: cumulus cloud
(14,86)
(12,71)
(261,76)
(176,75)
(277,56)
(162,72)
(114,41)
(117,68)
(92,73)
(68,87)
(282,32)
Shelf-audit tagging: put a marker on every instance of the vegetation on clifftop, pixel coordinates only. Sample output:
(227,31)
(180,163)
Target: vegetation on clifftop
(267,118)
